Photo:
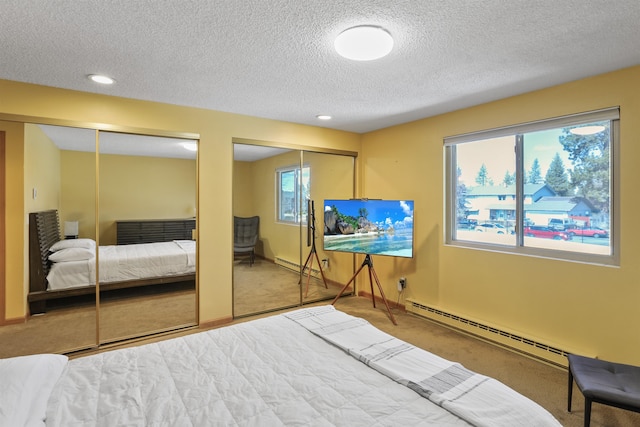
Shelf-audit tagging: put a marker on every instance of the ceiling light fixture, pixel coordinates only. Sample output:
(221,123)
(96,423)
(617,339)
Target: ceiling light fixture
(98,78)
(364,43)
(587,130)
(323,117)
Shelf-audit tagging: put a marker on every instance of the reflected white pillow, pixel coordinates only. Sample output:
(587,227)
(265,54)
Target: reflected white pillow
(27,382)
(72,254)
(73,243)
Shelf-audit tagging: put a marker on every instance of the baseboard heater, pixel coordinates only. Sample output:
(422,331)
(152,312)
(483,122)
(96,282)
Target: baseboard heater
(295,266)
(528,347)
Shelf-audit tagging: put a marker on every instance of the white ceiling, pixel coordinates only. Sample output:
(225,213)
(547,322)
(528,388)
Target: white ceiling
(275,58)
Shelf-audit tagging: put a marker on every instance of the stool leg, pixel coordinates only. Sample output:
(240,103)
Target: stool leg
(570,390)
(587,412)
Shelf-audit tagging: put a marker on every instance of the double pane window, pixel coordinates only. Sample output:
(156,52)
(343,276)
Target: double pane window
(544,188)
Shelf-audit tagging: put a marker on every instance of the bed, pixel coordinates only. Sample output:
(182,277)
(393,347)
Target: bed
(313,366)
(67,268)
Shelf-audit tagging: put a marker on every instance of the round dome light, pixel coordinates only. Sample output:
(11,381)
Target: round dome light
(98,78)
(364,43)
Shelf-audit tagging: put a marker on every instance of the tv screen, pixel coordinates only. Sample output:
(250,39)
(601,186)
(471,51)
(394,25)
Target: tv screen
(365,226)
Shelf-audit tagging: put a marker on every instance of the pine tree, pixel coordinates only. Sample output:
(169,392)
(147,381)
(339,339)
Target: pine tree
(482,177)
(557,178)
(535,175)
(509,179)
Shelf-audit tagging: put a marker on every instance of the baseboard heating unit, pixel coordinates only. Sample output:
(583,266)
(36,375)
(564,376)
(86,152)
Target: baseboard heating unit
(295,266)
(529,347)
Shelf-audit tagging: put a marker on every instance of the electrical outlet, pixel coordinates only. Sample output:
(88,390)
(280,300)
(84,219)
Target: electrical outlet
(325,263)
(402,283)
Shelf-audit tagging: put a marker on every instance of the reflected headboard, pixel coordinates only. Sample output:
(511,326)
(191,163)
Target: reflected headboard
(44,231)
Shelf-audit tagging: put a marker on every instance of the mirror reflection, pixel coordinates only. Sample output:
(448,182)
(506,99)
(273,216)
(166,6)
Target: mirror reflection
(282,191)
(147,256)
(144,182)
(61,185)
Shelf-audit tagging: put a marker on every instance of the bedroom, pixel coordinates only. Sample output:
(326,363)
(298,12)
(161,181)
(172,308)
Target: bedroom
(578,307)
(558,312)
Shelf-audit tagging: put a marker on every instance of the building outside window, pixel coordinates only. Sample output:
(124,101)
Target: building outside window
(544,188)
(292,185)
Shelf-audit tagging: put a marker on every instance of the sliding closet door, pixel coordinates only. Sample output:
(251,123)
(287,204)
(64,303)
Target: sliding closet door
(325,273)
(266,183)
(278,185)
(147,205)
(59,178)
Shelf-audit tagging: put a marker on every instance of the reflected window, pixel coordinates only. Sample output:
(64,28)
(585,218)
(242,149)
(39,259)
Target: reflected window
(292,184)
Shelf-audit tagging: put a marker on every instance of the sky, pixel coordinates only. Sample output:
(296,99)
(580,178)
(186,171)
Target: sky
(498,155)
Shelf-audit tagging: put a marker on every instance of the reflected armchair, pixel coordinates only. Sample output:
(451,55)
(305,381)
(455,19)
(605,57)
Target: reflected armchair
(245,236)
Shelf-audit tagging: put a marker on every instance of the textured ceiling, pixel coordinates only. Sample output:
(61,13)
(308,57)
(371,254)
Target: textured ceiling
(275,58)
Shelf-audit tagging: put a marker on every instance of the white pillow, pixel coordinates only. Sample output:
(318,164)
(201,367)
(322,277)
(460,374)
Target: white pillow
(73,243)
(27,382)
(72,254)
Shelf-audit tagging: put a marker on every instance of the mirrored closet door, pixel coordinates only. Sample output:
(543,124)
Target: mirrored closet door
(147,205)
(284,189)
(91,194)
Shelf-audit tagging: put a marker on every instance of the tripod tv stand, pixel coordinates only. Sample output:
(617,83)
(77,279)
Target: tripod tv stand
(368,262)
(313,252)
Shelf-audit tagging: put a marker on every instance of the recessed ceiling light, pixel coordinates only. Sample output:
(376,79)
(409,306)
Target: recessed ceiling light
(98,78)
(587,130)
(364,43)
(323,117)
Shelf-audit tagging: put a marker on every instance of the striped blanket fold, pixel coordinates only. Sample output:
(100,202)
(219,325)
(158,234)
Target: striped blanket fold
(477,399)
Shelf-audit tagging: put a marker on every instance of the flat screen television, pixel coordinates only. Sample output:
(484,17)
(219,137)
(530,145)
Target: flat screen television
(369,226)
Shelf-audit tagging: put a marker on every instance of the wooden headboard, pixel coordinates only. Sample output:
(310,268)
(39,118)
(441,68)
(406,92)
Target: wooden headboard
(44,231)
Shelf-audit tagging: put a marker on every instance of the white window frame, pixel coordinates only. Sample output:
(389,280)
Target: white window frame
(299,216)
(450,143)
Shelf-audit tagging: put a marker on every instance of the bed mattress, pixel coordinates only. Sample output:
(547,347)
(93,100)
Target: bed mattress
(281,370)
(126,262)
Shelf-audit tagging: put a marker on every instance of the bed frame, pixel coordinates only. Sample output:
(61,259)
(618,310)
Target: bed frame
(44,231)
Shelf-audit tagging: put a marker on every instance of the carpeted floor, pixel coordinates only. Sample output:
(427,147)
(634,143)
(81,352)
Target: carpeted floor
(266,286)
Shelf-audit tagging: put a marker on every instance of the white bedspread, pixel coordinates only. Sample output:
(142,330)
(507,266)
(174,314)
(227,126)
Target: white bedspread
(480,400)
(126,262)
(267,372)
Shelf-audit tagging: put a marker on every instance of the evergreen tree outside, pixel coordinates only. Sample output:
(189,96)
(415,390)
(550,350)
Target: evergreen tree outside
(509,179)
(461,195)
(535,175)
(590,156)
(557,178)
(482,177)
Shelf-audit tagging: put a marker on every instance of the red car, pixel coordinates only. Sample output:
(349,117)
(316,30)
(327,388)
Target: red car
(588,232)
(546,232)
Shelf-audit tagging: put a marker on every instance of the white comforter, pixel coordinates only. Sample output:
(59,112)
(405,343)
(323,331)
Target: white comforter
(267,372)
(126,262)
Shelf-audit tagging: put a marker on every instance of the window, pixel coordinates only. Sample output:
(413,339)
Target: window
(544,188)
(293,192)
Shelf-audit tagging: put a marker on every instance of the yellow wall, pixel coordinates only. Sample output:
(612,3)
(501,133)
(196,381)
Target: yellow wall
(242,189)
(580,307)
(16,224)
(25,102)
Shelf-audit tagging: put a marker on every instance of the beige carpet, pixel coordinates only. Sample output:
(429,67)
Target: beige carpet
(266,286)
(65,329)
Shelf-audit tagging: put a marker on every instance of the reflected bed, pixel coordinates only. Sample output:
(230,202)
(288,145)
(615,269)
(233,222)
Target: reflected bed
(66,268)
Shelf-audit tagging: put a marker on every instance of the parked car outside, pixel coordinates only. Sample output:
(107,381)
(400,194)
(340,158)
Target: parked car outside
(468,224)
(562,224)
(588,232)
(490,227)
(546,232)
